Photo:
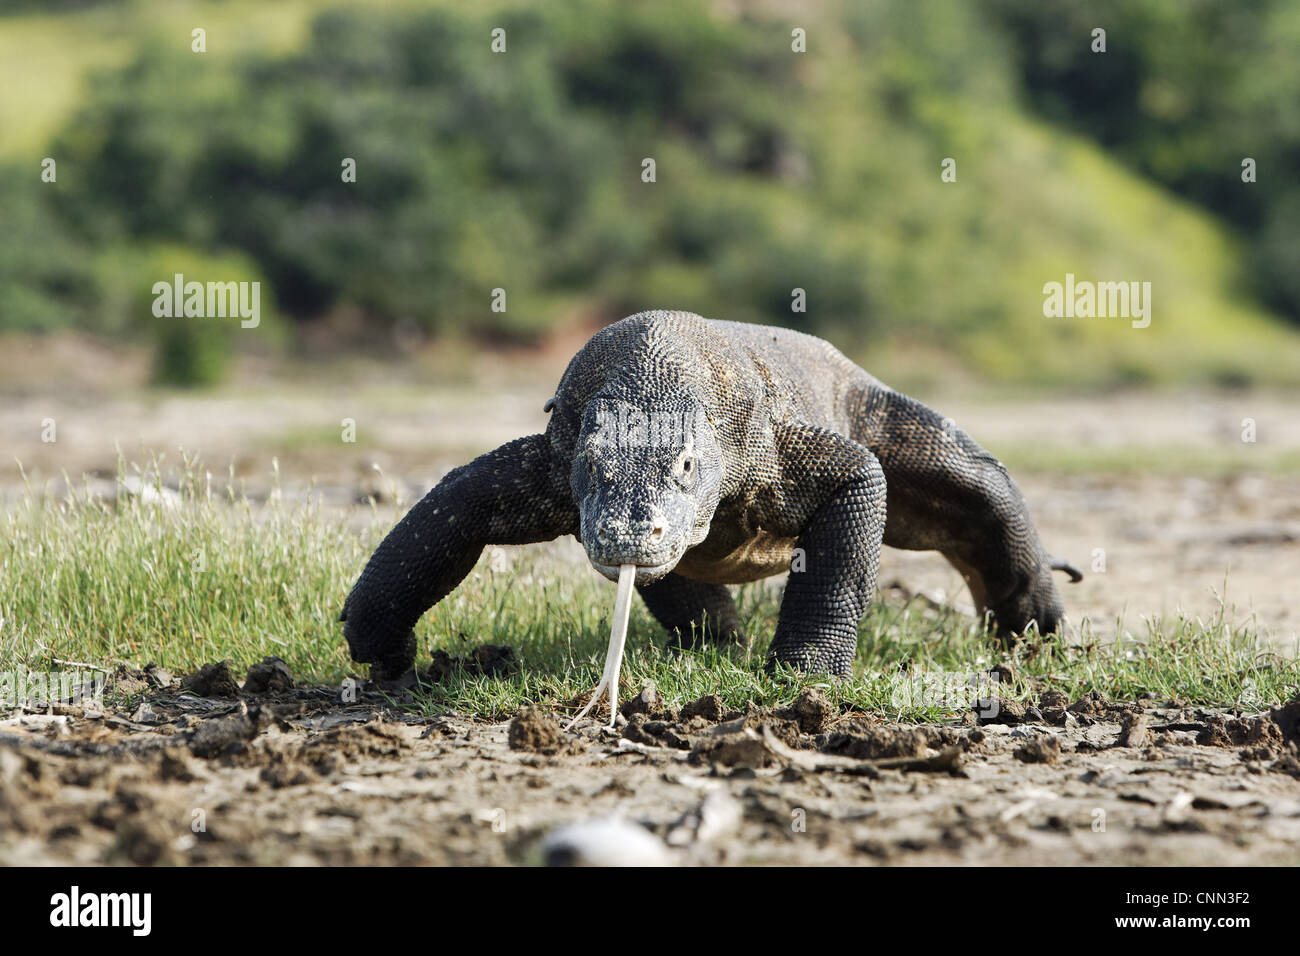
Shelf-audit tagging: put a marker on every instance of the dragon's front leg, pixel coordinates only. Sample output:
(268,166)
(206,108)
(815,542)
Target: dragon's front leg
(508,496)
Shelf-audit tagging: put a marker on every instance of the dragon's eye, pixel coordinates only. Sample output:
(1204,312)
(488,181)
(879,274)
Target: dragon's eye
(686,471)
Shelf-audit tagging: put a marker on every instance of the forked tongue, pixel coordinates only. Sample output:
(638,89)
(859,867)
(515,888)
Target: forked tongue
(617,641)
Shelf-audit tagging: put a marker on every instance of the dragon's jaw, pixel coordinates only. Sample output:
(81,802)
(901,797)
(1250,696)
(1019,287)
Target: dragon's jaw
(645,573)
(614,654)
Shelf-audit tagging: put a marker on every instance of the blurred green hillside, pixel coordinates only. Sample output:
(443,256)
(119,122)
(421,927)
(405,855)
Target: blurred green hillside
(775,170)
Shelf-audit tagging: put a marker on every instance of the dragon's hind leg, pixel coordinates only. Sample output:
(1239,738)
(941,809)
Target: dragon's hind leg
(693,612)
(948,494)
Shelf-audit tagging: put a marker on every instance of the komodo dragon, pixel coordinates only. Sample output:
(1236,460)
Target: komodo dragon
(711,453)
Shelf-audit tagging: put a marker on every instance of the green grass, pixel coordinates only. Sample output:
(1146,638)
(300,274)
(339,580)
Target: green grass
(130,580)
(120,582)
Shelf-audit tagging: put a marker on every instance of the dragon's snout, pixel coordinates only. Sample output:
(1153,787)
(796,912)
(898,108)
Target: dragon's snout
(650,541)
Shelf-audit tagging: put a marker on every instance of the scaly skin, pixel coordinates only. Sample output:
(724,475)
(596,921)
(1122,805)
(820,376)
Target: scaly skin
(712,453)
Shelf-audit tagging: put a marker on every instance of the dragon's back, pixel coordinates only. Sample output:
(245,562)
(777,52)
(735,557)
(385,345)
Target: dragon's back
(739,370)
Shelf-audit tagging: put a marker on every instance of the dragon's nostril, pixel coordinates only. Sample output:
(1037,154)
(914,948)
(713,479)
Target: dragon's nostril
(656,534)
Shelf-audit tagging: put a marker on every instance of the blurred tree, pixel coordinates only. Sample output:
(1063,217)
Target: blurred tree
(477,170)
(1184,92)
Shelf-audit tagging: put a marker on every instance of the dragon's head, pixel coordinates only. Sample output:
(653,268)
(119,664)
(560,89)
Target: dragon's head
(647,481)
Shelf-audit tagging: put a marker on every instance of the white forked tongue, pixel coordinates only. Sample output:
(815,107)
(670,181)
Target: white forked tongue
(617,641)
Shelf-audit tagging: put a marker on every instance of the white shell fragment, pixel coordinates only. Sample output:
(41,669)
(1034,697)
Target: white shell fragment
(608,842)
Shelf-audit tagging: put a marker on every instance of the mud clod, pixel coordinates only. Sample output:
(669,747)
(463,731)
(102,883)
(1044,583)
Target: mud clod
(279,776)
(709,707)
(486,660)
(144,843)
(1041,749)
(1219,730)
(654,733)
(1287,719)
(177,765)
(1133,731)
(1052,700)
(1008,711)
(225,736)
(1273,732)
(811,711)
(647,703)
(868,742)
(536,731)
(667,734)
(160,678)
(1091,704)
(212,680)
(128,682)
(1288,764)
(270,676)
(376,738)
(743,749)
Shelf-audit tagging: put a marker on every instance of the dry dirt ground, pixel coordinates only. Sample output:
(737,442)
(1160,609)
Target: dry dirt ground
(197,775)
(204,772)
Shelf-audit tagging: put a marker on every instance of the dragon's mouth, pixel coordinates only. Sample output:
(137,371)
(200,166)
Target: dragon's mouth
(645,573)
